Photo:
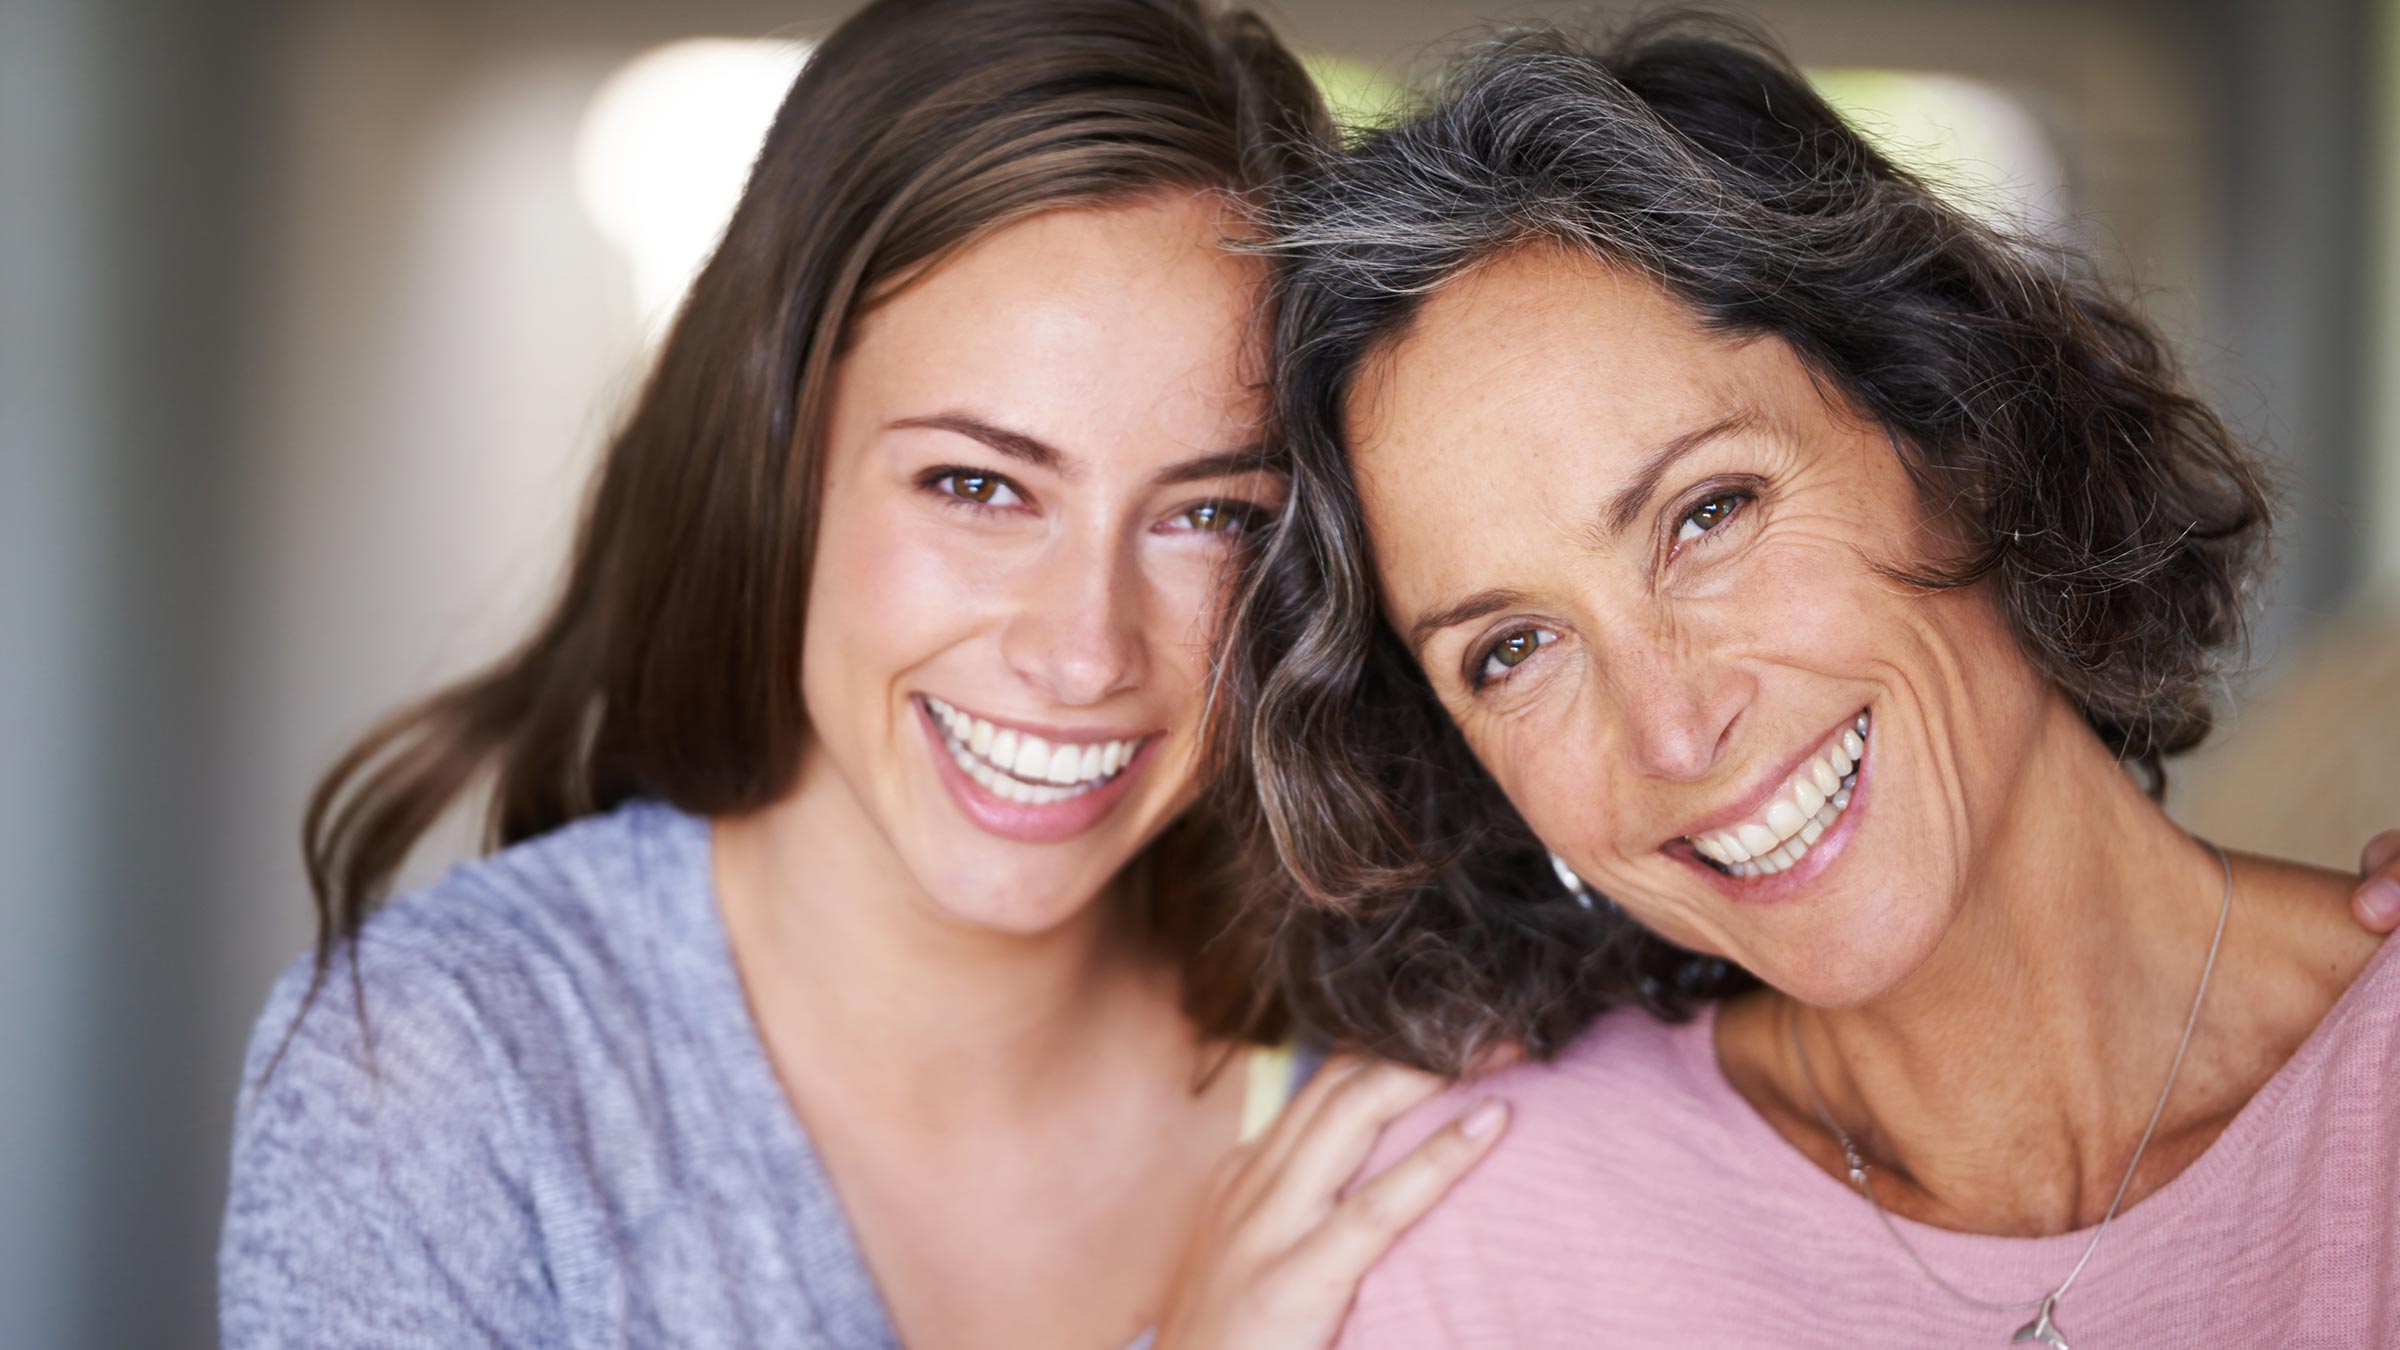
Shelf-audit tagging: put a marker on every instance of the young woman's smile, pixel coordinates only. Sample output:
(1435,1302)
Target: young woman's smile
(1036,786)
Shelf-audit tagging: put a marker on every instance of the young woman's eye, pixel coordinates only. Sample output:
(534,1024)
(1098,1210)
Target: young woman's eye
(1510,651)
(1218,517)
(1708,515)
(976,487)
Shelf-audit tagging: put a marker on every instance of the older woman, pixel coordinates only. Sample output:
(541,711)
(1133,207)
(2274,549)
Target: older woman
(1820,577)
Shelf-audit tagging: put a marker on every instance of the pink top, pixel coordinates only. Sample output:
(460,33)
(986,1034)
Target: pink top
(1637,1200)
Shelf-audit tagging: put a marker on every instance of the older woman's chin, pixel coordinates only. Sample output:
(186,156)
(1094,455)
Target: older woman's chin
(1845,961)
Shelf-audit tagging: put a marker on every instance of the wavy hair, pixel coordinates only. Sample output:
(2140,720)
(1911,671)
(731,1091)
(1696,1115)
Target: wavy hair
(2112,515)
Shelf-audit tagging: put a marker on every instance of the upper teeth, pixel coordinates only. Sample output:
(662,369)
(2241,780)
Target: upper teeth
(1797,815)
(1016,764)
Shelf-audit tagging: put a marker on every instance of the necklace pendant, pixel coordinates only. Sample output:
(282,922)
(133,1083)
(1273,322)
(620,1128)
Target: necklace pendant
(2041,1330)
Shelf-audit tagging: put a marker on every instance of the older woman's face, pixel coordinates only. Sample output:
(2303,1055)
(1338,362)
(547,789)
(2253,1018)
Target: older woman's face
(1638,562)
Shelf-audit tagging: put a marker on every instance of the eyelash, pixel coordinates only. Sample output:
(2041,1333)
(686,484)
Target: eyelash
(1735,500)
(1236,517)
(1484,675)
(947,483)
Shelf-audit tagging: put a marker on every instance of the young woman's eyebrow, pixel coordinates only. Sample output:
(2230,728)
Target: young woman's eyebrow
(1224,464)
(1628,503)
(1017,445)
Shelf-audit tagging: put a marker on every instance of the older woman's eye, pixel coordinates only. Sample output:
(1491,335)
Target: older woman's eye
(1510,651)
(1708,515)
(976,487)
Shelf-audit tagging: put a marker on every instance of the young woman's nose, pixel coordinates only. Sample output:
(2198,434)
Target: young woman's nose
(1076,635)
(1679,708)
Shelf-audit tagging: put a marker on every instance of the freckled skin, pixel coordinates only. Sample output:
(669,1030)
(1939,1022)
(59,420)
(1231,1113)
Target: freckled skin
(1488,444)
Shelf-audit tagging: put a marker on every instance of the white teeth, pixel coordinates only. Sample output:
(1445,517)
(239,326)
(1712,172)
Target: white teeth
(1063,763)
(1797,816)
(1033,758)
(1021,767)
(1784,818)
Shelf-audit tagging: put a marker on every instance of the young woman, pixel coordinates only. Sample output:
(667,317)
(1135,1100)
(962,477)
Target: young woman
(857,971)
(1822,577)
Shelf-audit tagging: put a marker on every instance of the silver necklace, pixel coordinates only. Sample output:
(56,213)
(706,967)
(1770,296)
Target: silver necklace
(2043,1329)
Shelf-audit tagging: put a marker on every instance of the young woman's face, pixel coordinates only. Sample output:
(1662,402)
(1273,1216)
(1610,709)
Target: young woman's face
(1638,563)
(1039,456)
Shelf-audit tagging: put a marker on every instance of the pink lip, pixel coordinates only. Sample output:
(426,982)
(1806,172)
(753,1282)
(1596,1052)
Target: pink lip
(1821,857)
(1023,821)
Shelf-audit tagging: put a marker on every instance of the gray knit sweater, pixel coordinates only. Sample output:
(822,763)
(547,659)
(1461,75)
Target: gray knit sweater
(558,1127)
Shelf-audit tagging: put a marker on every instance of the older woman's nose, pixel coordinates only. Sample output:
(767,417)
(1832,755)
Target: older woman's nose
(1679,715)
(1077,633)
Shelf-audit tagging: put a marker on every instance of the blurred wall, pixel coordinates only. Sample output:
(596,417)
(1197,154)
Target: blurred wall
(305,347)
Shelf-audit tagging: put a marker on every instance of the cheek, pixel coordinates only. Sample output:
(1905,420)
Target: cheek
(1185,588)
(1552,771)
(886,590)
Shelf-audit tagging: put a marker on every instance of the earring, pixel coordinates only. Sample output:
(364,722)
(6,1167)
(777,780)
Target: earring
(1568,879)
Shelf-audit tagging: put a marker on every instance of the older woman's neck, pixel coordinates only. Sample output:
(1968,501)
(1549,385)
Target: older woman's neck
(2011,1073)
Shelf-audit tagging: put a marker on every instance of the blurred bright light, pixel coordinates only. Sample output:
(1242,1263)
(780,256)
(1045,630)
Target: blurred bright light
(1976,143)
(665,148)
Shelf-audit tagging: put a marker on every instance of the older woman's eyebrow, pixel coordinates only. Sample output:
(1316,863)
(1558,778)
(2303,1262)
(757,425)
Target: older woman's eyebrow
(1628,503)
(1462,611)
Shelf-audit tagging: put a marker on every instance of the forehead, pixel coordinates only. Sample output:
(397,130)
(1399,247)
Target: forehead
(1527,391)
(1098,322)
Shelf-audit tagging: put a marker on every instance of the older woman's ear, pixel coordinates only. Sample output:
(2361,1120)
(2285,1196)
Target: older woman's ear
(2376,902)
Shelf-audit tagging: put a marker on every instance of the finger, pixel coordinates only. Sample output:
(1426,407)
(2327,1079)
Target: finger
(2376,905)
(1325,1157)
(1368,1220)
(1269,1150)
(2381,856)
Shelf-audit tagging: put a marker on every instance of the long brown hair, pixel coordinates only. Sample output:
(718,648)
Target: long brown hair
(668,667)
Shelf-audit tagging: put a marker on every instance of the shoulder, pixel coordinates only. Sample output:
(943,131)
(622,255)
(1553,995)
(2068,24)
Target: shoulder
(1602,1146)
(417,1123)
(458,990)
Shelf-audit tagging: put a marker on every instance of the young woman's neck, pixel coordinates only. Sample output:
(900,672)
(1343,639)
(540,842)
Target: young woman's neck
(2003,1084)
(839,945)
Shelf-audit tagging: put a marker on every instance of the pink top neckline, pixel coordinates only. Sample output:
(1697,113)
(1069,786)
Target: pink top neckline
(1974,1259)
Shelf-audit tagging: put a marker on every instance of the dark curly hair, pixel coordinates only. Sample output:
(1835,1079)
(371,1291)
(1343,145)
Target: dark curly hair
(2117,522)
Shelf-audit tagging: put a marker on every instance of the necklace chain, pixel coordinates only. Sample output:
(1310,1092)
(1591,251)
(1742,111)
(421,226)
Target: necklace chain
(1857,1163)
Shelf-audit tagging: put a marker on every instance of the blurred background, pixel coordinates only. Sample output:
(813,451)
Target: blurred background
(313,315)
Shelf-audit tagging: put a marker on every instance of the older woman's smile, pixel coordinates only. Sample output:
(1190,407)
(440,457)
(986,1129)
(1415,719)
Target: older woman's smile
(1778,825)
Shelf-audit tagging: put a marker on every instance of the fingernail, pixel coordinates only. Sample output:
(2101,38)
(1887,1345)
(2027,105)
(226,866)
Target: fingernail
(1484,1119)
(2380,899)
